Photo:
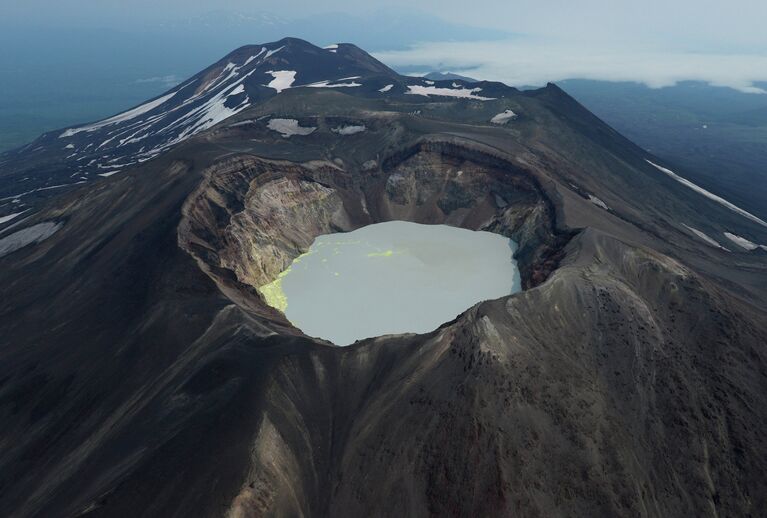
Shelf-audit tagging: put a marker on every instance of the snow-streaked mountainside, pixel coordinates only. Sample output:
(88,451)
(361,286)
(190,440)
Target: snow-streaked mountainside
(708,194)
(245,77)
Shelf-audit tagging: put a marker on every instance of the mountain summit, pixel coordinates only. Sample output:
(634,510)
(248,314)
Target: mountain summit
(243,78)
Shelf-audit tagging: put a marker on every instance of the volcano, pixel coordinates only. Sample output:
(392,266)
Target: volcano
(142,371)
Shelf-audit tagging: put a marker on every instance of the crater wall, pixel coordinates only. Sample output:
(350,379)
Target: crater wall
(251,217)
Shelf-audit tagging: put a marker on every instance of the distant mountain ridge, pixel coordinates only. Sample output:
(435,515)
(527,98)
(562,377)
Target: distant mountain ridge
(445,76)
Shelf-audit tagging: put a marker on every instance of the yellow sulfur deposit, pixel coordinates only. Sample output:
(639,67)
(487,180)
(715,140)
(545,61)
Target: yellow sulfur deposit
(273,293)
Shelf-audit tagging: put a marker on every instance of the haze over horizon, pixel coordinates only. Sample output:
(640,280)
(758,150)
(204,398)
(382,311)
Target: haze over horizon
(88,60)
(521,43)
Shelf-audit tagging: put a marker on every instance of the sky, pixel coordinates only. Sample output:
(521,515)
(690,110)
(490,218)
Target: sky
(521,42)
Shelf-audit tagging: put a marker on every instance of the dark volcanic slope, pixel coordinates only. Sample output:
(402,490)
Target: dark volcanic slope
(141,373)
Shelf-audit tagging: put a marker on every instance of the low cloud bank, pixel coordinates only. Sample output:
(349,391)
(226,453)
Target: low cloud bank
(526,63)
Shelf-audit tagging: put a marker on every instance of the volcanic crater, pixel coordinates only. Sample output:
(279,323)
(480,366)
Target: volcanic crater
(251,217)
(142,369)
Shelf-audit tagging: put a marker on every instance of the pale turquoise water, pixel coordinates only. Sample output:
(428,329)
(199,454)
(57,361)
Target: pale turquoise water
(395,277)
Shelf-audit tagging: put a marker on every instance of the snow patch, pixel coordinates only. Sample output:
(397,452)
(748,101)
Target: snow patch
(273,52)
(231,69)
(289,127)
(599,203)
(69,146)
(9,217)
(110,173)
(743,242)
(704,237)
(130,114)
(707,194)
(30,235)
(386,88)
(241,123)
(447,92)
(213,111)
(283,79)
(327,83)
(503,117)
(16,197)
(252,58)
(348,130)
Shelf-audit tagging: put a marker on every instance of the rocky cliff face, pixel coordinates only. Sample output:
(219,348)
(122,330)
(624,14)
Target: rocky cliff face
(254,217)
